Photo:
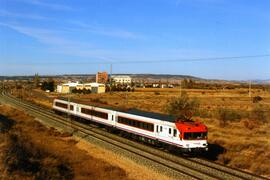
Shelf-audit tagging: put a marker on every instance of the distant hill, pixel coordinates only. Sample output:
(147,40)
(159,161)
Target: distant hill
(170,78)
(162,76)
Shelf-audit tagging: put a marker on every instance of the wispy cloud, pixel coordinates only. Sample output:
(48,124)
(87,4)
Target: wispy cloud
(20,15)
(112,32)
(57,43)
(52,6)
(42,35)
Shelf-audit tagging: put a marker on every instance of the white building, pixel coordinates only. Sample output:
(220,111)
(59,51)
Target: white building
(95,87)
(122,79)
(68,87)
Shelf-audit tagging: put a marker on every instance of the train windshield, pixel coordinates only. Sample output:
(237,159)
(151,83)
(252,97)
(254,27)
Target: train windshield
(195,135)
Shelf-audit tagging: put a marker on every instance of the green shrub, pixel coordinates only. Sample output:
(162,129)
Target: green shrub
(256,99)
(225,115)
(182,107)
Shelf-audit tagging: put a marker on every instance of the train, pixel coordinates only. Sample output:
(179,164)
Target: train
(157,129)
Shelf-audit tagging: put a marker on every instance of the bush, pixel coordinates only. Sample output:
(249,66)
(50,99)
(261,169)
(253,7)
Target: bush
(249,124)
(258,114)
(97,100)
(256,99)
(225,115)
(182,107)
(80,91)
(120,87)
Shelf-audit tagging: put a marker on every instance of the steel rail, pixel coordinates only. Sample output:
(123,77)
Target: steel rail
(223,170)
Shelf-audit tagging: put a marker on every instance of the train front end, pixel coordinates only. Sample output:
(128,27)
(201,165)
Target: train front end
(193,136)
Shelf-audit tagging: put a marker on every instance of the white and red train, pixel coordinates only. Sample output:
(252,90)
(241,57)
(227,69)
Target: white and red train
(187,136)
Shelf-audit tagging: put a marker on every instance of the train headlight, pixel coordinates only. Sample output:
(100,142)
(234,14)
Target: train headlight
(187,145)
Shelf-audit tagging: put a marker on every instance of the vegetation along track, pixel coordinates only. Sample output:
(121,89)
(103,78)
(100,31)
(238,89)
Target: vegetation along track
(179,166)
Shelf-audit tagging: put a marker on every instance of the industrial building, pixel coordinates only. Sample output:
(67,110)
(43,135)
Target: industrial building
(95,87)
(120,79)
(102,77)
(68,87)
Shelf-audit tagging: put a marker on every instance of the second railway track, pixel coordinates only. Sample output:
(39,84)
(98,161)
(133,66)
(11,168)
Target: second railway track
(178,166)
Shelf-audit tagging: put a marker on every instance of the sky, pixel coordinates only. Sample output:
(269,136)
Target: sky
(52,37)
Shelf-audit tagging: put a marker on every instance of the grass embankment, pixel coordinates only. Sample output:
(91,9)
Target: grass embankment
(29,150)
(242,142)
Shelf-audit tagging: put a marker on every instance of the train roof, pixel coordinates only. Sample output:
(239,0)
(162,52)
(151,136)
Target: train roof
(132,111)
(163,117)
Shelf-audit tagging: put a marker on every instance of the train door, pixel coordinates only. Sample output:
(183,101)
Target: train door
(163,131)
(170,132)
(175,134)
(112,118)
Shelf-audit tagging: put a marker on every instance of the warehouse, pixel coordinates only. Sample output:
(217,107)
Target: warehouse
(95,87)
(121,79)
(68,87)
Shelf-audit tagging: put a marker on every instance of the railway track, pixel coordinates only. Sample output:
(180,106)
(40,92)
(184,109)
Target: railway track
(192,168)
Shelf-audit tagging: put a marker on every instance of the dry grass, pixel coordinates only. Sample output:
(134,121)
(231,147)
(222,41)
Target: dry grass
(50,154)
(245,140)
(30,150)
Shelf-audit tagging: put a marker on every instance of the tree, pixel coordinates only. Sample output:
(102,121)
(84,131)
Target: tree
(188,83)
(51,86)
(48,85)
(36,80)
(44,85)
(182,107)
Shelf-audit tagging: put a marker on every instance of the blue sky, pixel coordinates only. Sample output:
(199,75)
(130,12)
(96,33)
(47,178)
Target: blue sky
(66,36)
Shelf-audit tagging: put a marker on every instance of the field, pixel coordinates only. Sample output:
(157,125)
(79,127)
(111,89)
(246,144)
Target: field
(239,139)
(29,150)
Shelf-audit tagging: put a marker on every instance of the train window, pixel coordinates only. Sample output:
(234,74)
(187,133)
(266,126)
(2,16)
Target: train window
(71,107)
(135,123)
(170,130)
(195,135)
(174,132)
(62,105)
(94,113)
(151,127)
(157,128)
(144,126)
(160,128)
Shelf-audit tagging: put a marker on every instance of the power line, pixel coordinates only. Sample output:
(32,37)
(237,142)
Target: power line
(151,61)
(195,59)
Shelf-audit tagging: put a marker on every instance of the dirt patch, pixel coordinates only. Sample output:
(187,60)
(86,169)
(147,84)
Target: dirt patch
(133,170)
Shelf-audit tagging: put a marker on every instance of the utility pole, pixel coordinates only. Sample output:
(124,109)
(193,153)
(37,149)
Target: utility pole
(249,89)
(69,119)
(110,78)
(180,88)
